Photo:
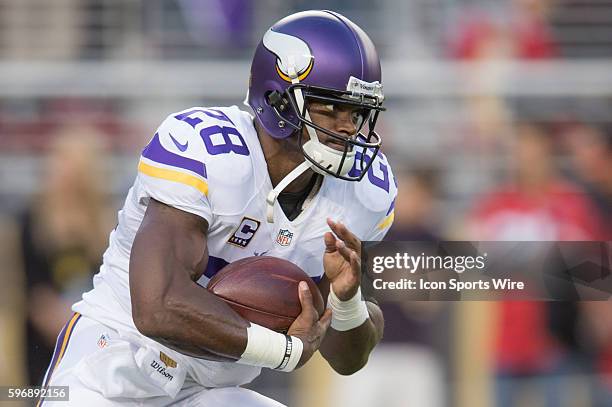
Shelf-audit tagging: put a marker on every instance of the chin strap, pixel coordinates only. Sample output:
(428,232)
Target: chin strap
(299,170)
(273,195)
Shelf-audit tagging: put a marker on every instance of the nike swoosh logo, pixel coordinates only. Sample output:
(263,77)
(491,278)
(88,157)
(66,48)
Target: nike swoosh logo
(181,147)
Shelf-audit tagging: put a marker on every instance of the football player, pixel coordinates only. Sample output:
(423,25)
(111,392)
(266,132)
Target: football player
(301,178)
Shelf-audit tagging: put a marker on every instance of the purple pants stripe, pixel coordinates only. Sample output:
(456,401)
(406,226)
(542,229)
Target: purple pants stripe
(60,349)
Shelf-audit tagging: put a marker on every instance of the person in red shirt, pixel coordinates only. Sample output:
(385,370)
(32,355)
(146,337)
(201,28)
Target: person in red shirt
(536,204)
(520,32)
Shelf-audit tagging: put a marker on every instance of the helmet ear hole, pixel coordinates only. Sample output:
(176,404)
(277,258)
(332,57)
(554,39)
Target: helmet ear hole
(267,97)
(321,51)
(276,99)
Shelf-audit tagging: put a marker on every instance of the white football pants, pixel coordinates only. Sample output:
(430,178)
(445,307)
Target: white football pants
(83,337)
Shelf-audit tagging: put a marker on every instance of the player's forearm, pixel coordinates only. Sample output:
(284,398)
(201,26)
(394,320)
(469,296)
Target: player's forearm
(168,255)
(348,351)
(194,322)
(170,308)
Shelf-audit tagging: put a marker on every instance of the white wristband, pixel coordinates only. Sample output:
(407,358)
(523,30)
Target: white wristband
(349,314)
(274,350)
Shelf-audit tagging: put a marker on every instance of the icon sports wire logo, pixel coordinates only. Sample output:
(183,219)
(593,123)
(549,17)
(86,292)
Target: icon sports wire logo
(422,262)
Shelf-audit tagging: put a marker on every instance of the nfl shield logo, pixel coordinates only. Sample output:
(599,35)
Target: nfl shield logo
(102,341)
(284,237)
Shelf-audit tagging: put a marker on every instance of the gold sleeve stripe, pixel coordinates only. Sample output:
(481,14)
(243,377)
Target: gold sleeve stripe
(174,176)
(386,221)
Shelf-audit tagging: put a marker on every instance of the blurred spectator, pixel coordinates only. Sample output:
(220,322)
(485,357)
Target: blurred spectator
(415,207)
(537,204)
(490,34)
(590,149)
(522,32)
(597,341)
(64,233)
(407,367)
(534,339)
(416,214)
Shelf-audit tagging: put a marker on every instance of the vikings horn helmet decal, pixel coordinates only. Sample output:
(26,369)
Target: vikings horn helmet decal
(289,51)
(318,56)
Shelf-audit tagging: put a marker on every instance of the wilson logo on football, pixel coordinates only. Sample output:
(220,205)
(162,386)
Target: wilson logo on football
(284,237)
(245,232)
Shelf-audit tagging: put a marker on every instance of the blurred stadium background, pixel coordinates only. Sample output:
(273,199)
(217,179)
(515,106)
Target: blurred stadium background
(498,128)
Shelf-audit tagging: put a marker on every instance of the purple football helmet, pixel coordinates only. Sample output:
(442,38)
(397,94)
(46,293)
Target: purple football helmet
(318,56)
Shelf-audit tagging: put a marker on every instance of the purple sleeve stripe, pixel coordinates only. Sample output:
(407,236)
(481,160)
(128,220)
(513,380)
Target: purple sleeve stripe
(56,353)
(156,152)
(214,265)
(60,349)
(391,208)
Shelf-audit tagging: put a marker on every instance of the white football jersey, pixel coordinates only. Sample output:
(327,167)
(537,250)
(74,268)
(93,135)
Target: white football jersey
(208,161)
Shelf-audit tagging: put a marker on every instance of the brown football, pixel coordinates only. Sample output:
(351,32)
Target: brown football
(264,290)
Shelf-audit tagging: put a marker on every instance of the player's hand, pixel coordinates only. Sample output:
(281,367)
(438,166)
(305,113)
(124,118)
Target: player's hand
(342,260)
(308,326)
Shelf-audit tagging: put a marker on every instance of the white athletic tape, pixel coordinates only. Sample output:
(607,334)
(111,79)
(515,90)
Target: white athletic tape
(271,349)
(349,314)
